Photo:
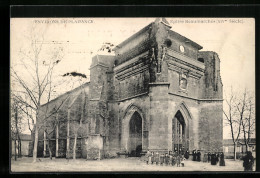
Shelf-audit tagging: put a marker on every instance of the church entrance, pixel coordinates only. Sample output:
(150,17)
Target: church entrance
(135,135)
(179,133)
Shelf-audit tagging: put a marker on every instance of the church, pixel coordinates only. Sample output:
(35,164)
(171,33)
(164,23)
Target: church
(158,92)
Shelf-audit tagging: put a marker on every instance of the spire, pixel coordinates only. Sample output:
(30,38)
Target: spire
(163,21)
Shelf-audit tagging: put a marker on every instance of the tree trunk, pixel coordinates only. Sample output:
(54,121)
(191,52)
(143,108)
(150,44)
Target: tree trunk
(49,148)
(15,150)
(19,145)
(57,141)
(19,148)
(68,136)
(75,146)
(44,144)
(235,153)
(16,134)
(35,144)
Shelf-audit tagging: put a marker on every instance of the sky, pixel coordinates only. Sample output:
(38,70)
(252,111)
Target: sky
(232,38)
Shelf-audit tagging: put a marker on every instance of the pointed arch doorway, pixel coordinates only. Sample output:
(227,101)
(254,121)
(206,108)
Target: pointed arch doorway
(135,135)
(179,133)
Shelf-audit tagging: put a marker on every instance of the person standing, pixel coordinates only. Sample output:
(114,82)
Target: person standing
(217,158)
(182,151)
(213,159)
(222,161)
(194,155)
(248,161)
(176,153)
(209,157)
(205,158)
(157,158)
(147,157)
(152,157)
(162,159)
(186,155)
(174,160)
(166,159)
(178,160)
(198,156)
(170,160)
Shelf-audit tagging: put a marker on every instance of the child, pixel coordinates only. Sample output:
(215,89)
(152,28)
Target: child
(178,161)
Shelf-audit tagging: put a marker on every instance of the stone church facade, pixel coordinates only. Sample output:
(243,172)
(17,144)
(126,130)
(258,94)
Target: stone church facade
(159,92)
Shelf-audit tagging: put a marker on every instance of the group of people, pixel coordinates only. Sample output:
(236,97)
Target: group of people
(175,158)
(166,159)
(213,158)
(196,155)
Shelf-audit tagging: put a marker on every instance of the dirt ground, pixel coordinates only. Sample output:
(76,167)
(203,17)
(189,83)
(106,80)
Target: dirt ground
(118,164)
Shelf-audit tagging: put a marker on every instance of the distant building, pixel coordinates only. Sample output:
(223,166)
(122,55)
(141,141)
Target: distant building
(25,140)
(228,148)
(159,92)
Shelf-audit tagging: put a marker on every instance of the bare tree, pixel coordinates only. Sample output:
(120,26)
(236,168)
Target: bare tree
(16,127)
(32,76)
(232,119)
(245,107)
(240,116)
(76,116)
(50,121)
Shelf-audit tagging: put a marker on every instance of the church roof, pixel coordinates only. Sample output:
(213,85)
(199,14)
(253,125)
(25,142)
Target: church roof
(74,91)
(171,32)
(186,40)
(132,37)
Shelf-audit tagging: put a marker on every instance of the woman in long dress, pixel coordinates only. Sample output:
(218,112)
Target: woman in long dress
(186,155)
(213,159)
(222,161)
(198,156)
(194,155)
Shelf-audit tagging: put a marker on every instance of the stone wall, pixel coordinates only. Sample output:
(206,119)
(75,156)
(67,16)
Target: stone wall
(177,41)
(120,114)
(211,125)
(158,136)
(193,85)
(211,84)
(189,108)
(94,146)
(135,45)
